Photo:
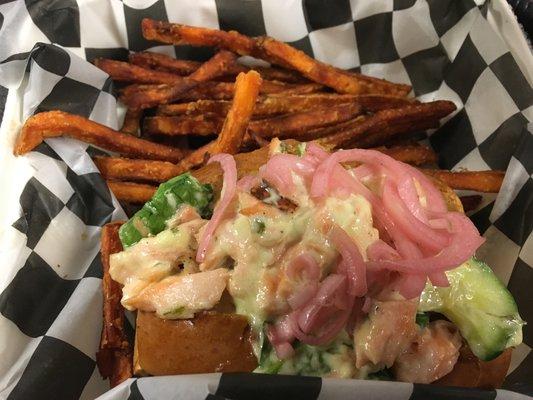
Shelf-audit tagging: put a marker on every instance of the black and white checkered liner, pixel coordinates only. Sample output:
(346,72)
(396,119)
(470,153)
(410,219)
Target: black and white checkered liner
(55,202)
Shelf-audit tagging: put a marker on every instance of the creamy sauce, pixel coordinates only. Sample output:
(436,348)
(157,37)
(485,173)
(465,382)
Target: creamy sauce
(256,244)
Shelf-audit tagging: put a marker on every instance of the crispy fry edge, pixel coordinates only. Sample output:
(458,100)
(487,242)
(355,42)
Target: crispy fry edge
(58,123)
(115,355)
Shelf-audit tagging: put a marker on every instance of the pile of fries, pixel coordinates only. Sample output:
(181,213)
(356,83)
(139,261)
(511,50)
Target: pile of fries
(179,112)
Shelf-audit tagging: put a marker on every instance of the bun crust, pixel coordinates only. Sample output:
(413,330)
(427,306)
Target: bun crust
(470,371)
(210,342)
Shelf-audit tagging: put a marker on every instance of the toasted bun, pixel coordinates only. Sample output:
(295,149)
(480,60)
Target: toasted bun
(210,342)
(214,342)
(470,371)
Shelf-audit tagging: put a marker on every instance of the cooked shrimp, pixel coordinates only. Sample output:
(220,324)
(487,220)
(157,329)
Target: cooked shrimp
(387,332)
(180,296)
(432,355)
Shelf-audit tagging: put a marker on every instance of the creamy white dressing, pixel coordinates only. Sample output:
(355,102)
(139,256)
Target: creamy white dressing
(256,258)
(258,283)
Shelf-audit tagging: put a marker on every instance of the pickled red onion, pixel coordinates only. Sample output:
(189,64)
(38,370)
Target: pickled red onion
(229,186)
(327,313)
(305,272)
(280,331)
(412,227)
(279,169)
(465,241)
(352,264)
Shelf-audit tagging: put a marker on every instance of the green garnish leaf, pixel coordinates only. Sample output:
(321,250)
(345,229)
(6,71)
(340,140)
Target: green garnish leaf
(152,217)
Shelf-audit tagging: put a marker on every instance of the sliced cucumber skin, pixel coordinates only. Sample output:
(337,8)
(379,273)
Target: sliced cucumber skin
(480,305)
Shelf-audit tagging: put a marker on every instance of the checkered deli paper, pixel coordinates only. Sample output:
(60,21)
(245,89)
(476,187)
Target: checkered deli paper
(54,202)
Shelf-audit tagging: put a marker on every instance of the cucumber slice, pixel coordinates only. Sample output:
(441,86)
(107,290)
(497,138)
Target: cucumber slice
(480,305)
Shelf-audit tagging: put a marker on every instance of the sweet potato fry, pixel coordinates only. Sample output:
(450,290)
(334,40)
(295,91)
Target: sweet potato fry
(272,51)
(125,72)
(231,136)
(224,90)
(277,104)
(115,168)
(378,102)
(287,89)
(470,203)
(381,86)
(280,74)
(132,122)
(343,82)
(246,91)
(163,62)
(130,192)
(58,123)
(205,90)
(113,335)
(480,181)
(297,125)
(291,125)
(178,34)
(197,157)
(114,357)
(375,130)
(204,124)
(161,94)
(130,169)
(199,107)
(411,154)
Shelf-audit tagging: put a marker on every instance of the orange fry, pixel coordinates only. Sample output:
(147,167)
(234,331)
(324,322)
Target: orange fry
(132,121)
(377,129)
(151,96)
(122,71)
(411,154)
(178,34)
(232,134)
(246,91)
(480,181)
(115,168)
(136,193)
(292,125)
(222,90)
(114,357)
(272,51)
(189,125)
(273,104)
(298,124)
(163,62)
(342,81)
(130,169)
(58,123)
(280,74)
